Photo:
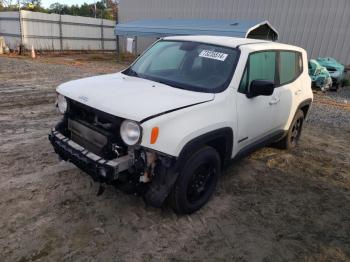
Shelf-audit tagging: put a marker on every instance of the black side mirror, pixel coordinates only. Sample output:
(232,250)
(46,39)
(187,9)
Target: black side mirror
(260,88)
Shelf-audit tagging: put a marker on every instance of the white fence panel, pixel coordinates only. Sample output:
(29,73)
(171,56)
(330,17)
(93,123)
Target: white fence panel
(40,30)
(58,32)
(10,28)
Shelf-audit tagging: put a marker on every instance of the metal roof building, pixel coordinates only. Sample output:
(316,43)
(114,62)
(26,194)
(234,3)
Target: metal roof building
(322,27)
(169,27)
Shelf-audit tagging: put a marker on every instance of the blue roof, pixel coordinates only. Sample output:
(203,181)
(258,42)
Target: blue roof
(171,27)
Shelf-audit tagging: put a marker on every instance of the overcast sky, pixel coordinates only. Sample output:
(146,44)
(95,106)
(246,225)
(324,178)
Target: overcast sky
(47,3)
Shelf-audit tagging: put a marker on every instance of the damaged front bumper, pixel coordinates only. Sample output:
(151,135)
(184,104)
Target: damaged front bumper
(98,168)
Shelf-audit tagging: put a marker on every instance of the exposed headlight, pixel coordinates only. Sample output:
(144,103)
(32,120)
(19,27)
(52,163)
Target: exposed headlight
(62,104)
(130,132)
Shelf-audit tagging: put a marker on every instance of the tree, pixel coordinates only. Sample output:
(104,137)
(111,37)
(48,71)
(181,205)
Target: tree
(32,5)
(56,8)
(112,5)
(106,9)
(85,10)
(7,3)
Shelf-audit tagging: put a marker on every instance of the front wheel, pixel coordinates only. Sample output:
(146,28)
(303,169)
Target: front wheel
(196,182)
(293,135)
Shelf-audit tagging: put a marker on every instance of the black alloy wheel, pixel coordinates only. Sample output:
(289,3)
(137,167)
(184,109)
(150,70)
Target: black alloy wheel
(200,182)
(197,181)
(296,131)
(292,137)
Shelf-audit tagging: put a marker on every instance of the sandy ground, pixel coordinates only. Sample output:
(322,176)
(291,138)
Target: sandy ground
(271,206)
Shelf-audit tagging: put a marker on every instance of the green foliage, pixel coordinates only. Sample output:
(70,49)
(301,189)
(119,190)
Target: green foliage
(106,9)
(32,5)
(8,6)
(102,10)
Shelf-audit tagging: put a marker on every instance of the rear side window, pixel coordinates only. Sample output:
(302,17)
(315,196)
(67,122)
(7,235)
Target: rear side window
(291,66)
(260,66)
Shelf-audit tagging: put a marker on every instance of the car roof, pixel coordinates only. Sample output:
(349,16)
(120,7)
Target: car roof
(216,40)
(234,42)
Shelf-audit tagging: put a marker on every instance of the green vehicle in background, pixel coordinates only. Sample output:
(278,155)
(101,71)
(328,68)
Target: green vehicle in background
(321,78)
(335,69)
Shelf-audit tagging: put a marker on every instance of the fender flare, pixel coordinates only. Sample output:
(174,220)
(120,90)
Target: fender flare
(160,189)
(205,139)
(306,102)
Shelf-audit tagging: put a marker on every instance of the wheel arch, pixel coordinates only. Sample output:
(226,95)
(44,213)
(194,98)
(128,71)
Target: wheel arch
(220,139)
(304,106)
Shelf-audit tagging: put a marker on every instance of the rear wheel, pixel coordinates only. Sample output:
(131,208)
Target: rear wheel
(196,182)
(294,132)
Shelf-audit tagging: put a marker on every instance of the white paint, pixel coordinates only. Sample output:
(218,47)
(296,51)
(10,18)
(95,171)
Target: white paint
(129,97)
(135,98)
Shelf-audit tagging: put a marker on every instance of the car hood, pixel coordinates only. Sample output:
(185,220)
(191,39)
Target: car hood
(130,97)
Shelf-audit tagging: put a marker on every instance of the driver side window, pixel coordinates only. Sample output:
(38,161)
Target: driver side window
(260,66)
(167,59)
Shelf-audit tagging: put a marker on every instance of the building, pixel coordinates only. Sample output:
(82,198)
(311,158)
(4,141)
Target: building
(322,27)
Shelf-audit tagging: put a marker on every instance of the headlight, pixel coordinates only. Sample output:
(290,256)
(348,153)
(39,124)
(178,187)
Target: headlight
(130,132)
(62,104)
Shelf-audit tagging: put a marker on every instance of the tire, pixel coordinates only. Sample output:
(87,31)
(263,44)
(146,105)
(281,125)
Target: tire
(291,139)
(196,182)
(335,87)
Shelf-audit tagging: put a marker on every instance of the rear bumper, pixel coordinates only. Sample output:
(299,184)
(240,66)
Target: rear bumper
(98,168)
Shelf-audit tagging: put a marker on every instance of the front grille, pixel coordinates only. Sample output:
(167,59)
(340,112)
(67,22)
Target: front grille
(93,116)
(97,131)
(87,137)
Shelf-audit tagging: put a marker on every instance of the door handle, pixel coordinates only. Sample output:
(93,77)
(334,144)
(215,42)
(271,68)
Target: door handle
(274,101)
(298,92)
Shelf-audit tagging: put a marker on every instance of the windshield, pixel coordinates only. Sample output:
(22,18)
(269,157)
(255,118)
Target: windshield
(187,65)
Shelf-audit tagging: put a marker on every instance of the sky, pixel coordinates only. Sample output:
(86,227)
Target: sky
(47,3)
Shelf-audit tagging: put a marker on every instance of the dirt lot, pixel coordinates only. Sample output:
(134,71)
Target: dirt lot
(271,206)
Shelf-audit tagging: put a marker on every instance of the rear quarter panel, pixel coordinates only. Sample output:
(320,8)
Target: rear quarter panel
(306,90)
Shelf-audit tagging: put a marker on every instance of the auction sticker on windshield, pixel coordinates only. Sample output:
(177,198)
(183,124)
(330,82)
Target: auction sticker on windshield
(213,55)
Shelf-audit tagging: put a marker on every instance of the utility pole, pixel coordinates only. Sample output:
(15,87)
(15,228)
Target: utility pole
(95,8)
(102,35)
(21,46)
(60,31)
(117,36)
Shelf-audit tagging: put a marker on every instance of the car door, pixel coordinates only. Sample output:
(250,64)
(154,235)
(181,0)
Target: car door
(256,115)
(289,88)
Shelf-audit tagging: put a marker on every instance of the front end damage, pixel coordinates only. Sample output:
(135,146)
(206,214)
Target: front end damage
(319,75)
(98,168)
(335,69)
(90,139)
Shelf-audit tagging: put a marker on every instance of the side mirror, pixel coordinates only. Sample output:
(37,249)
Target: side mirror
(260,88)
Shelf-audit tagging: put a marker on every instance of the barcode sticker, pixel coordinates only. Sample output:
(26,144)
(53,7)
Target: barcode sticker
(213,55)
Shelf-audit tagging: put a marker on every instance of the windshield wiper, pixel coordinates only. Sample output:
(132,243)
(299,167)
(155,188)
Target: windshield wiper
(164,82)
(172,84)
(131,72)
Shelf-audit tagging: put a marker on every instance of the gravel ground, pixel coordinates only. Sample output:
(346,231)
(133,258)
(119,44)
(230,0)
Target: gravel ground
(342,96)
(271,206)
(331,109)
(323,115)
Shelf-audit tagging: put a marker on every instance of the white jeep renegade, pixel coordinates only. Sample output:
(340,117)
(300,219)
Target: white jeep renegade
(165,127)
